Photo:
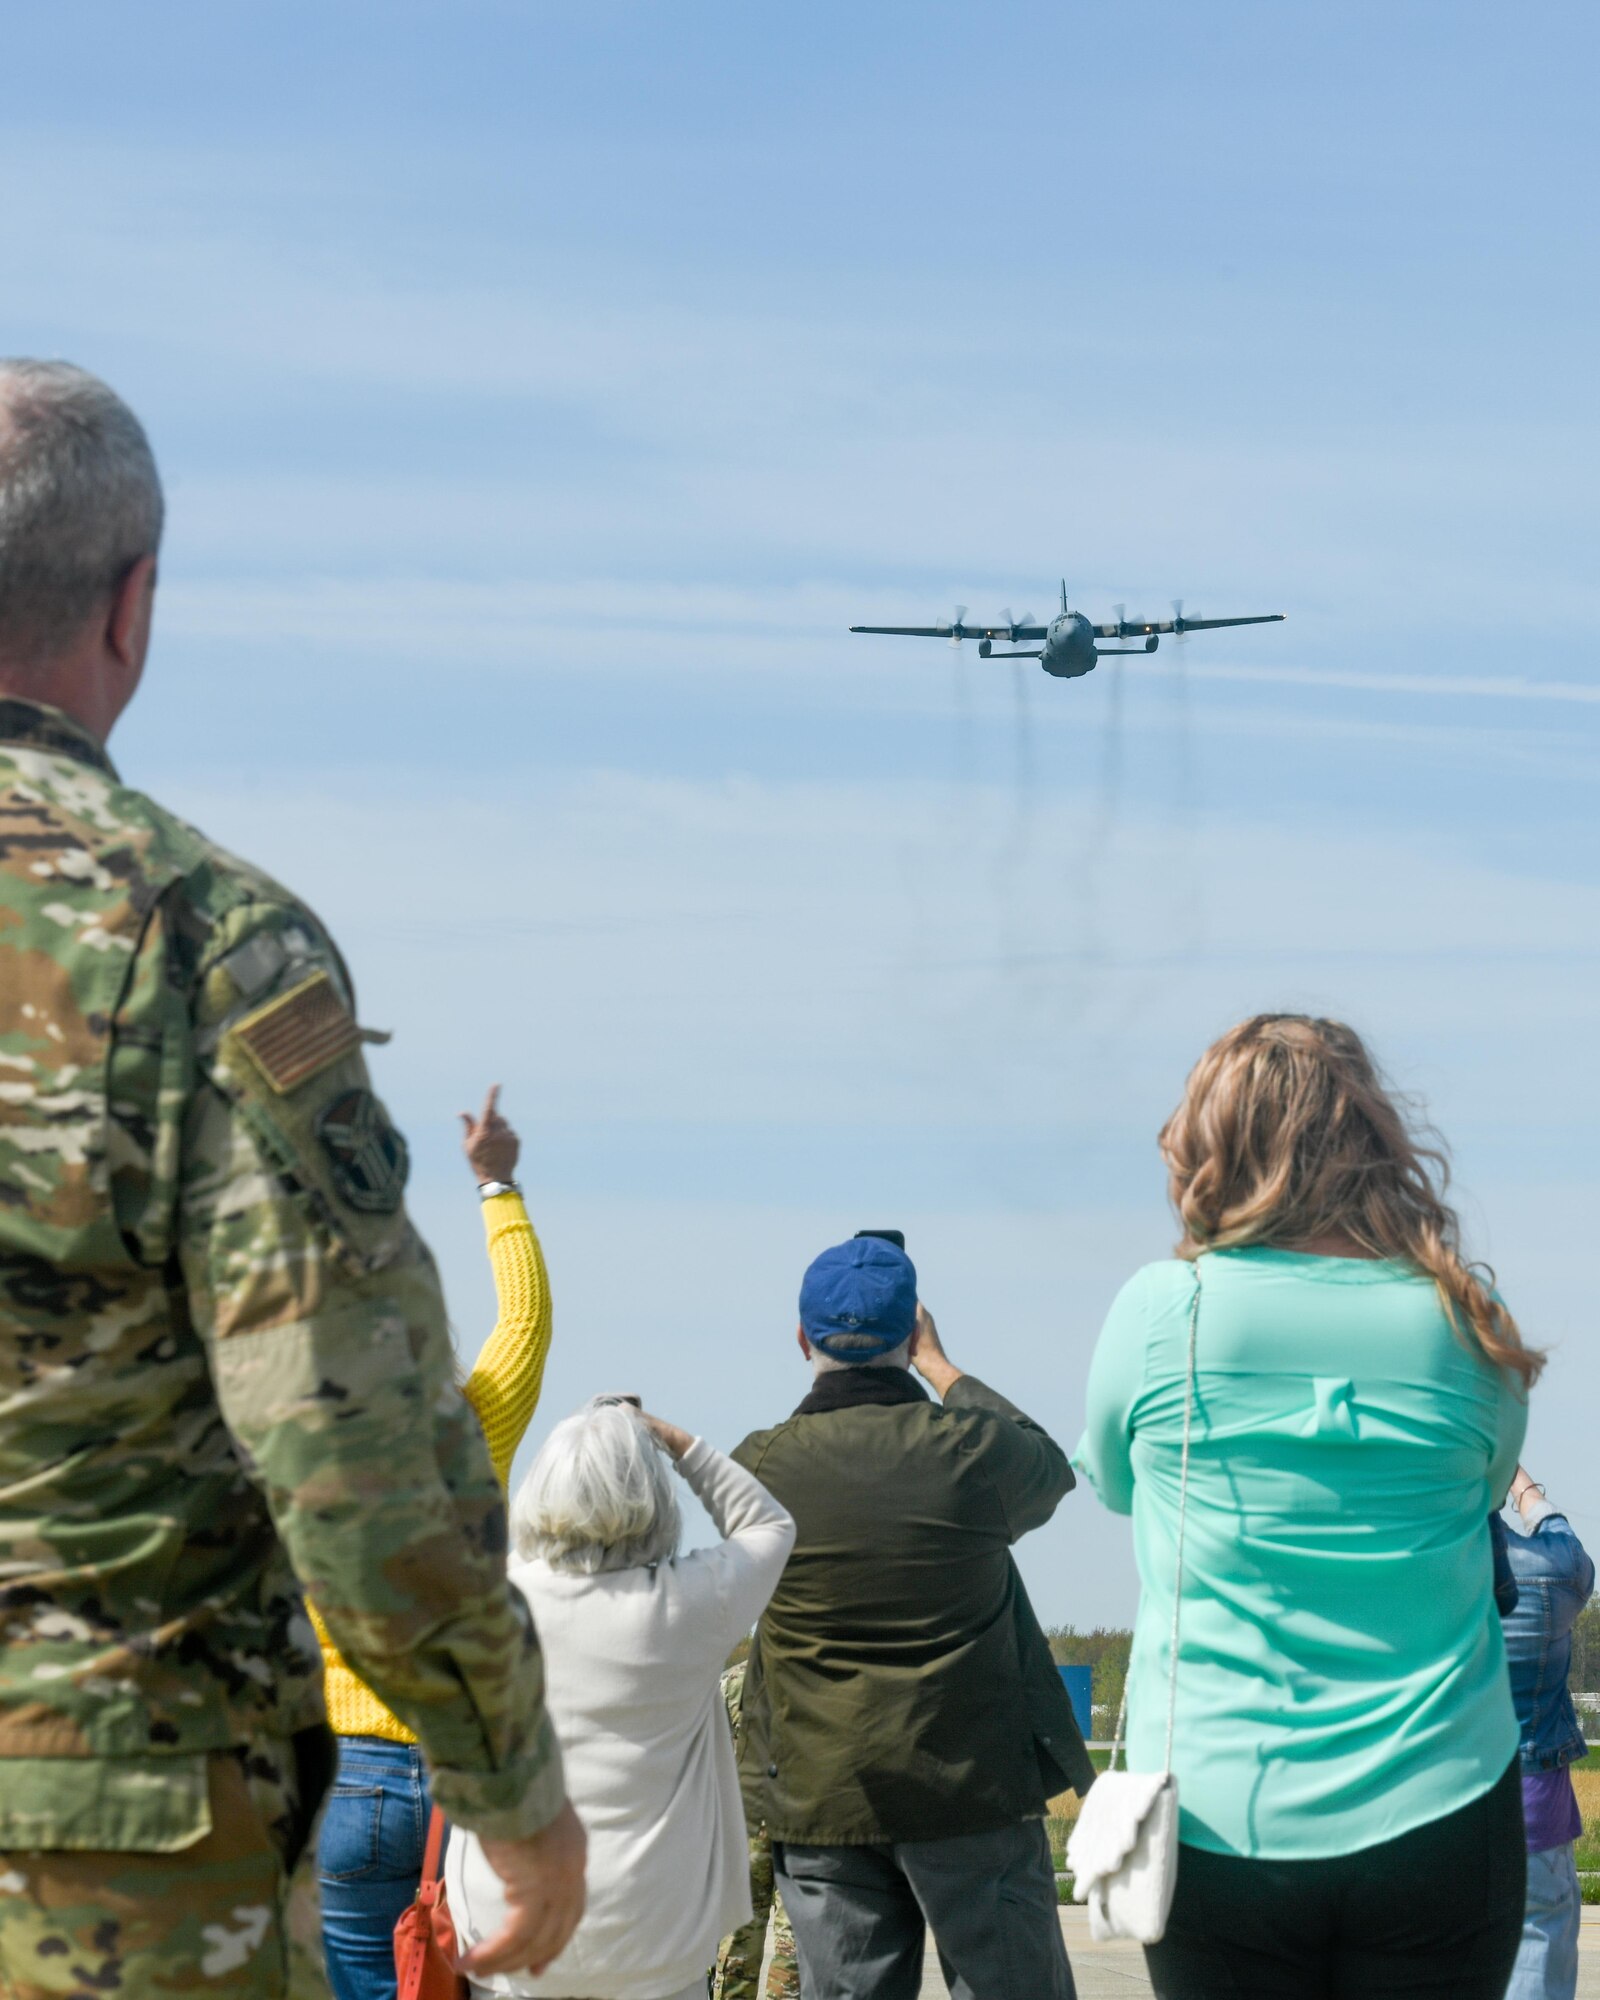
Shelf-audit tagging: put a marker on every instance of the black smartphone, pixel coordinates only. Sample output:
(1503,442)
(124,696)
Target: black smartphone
(895,1236)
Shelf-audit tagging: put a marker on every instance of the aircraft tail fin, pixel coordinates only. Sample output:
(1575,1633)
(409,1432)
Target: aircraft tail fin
(1063,596)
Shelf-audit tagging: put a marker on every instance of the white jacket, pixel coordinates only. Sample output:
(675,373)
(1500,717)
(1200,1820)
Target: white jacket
(632,1660)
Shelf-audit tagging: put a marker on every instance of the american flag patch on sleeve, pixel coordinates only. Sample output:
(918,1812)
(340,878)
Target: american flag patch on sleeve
(297,1036)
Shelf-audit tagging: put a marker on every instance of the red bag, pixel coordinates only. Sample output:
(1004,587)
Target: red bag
(425,1938)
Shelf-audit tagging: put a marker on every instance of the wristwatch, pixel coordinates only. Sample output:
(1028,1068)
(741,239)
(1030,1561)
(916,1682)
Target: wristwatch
(487,1190)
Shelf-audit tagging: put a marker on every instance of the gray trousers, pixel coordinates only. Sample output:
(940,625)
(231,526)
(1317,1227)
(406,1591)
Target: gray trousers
(860,1914)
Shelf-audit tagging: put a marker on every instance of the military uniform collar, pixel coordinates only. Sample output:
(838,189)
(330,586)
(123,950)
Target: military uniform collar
(33,725)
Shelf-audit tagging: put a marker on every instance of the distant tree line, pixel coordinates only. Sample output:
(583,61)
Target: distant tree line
(1106,1650)
(1585,1677)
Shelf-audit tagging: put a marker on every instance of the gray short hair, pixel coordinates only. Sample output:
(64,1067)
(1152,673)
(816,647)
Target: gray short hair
(80,501)
(598,1496)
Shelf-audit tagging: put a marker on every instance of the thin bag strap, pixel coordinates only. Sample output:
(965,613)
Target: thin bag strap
(1183,1518)
(430,1854)
(412,1947)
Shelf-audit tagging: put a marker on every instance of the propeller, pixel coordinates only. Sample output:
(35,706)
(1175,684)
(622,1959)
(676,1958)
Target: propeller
(955,636)
(1122,619)
(1177,616)
(1015,625)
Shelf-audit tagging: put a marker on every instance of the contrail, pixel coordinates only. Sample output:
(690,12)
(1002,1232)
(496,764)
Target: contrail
(1022,741)
(1508,687)
(1110,786)
(1087,869)
(1183,867)
(965,765)
(1012,853)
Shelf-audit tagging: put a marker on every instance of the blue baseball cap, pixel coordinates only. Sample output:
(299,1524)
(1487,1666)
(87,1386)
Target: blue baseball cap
(865,1288)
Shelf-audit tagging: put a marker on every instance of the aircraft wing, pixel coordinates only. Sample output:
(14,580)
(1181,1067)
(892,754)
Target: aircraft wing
(1138,628)
(964,631)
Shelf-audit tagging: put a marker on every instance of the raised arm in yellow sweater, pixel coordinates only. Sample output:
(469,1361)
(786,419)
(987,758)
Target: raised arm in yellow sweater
(504,1390)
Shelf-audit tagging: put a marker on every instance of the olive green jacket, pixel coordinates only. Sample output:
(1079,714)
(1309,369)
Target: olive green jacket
(899,1687)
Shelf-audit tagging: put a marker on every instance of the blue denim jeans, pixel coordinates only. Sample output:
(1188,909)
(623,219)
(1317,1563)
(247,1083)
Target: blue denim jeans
(369,1859)
(1547,1958)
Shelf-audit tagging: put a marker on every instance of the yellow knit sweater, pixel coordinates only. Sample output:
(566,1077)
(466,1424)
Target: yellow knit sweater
(504,1390)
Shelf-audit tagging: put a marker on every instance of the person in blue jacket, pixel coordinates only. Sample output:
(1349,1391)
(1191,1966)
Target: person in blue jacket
(1555,1577)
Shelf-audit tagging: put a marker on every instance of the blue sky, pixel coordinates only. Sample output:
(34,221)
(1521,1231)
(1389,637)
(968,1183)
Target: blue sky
(542,390)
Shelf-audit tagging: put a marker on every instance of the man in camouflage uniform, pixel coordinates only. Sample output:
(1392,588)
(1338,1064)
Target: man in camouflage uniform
(225,1372)
(738,1973)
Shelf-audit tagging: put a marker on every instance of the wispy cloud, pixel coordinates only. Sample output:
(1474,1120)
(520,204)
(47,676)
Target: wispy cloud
(1446,686)
(748,953)
(476,411)
(532,432)
(738,1019)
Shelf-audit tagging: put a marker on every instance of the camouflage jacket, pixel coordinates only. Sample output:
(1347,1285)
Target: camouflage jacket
(224,1363)
(732,1685)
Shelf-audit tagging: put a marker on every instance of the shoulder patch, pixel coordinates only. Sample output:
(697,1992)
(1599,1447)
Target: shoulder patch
(300,1034)
(368,1156)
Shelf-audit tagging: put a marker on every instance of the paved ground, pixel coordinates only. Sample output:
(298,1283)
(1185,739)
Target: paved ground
(1097,1969)
(1116,1971)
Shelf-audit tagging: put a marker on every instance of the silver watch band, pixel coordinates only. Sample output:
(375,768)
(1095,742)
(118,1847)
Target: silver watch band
(487,1190)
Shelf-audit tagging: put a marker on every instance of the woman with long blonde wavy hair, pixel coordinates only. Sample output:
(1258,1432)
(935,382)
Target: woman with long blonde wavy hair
(1344,1742)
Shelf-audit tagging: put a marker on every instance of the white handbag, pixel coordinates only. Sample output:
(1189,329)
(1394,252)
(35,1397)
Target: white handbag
(1123,1852)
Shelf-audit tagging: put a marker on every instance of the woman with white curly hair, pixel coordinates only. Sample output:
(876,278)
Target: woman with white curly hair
(634,1638)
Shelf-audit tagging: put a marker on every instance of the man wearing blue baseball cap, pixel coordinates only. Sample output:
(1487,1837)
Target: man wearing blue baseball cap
(903,1722)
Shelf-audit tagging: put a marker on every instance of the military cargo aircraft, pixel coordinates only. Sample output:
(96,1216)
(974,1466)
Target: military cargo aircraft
(1069,649)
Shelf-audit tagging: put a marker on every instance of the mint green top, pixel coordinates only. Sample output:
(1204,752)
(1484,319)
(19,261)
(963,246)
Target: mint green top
(1341,1675)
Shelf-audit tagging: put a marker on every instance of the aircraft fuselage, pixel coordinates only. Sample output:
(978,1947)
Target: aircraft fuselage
(1069,646)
